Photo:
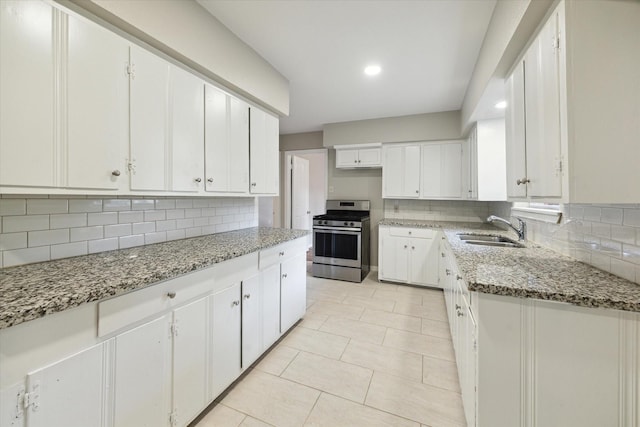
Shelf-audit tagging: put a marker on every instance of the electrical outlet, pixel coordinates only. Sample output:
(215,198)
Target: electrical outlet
(331,189)
(396,206)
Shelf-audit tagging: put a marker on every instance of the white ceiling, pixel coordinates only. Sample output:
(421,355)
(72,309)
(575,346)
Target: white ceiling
(427,50)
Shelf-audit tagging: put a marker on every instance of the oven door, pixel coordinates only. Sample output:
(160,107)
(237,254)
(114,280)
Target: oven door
(337,246)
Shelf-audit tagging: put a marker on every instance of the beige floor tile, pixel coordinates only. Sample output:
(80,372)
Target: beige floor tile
(222,416)
(374,303)
(440,373)
(354,329)
(317,342)
(325,296)
(313,320)
(392,320)
(384,359)
(360,291)
(336,309)
(417,291)
(398,297)
(416,401)
(277,360)
(310,302)
(272,399)
(252,422)
(436,328)
(433,296)
(424,344)
(429,311)
(332,411)
(335,377)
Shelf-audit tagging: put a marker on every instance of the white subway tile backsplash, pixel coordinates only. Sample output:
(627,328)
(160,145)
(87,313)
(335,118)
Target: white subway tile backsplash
(184,203)
(632,217)
(48,237)
(158,237)
(85,205)
(192,213)
(13,241)
(631,253)
(68,220)
(592,214)
(176,234)
(102,218)
(166,225)
(142,204)
(175,213)
(13,207)
(210,211)
(117,230)
(623,234)
(130,216)
(115,205)
(131,241)
(157,215)
(11,224)
(165,204)
(184,223)
(25,256)
(193,232)
(86,233)
(103,245)
(623,269)
(144,227)
(612,215)
(198,222)
(47,206)
(67,250)
(200,203)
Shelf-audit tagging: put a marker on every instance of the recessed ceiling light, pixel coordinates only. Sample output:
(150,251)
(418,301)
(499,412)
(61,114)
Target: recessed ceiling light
(372,70)
(501,105)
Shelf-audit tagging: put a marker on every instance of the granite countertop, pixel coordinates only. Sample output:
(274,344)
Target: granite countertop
(532,271)
(35,290)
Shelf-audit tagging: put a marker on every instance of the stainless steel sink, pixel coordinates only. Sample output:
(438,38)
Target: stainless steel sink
(489,240)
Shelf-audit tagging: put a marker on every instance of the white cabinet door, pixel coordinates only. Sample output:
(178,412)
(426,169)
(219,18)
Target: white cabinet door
(27,94)
(225,339)
(542,114)
(70,392)
(442,171)
(346,158)
(226,142)
(97,106)
(142,375)
(394,258)
(431,172)
(264,146)
(369,157)
(411,172)
(270,305)
(401,171)
(515,134)
(190,360)
(424,262)
(149,123)
(251,321)
(293,290)
(187,131)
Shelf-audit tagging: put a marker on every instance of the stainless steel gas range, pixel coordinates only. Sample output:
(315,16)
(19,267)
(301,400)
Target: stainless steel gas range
(341,241)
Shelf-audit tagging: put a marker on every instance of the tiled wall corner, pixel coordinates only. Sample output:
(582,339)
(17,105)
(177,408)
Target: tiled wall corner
(43,228)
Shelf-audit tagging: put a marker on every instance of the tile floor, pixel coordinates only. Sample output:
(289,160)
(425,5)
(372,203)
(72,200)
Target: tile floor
(366,354)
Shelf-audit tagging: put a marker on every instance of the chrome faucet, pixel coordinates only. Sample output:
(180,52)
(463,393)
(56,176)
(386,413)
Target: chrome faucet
(522,226)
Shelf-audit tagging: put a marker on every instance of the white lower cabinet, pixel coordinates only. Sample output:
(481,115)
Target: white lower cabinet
(251,321)
(270,289)
(293,290)
(408,255)
(225,337)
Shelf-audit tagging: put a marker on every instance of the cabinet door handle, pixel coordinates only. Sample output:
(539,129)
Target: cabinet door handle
(253,184)
(171,295)
(198,180)
(284,275)
(458,307)
(115,173)
(442,254)
(458,277)
(247,296)
(448,272)
(281,253)
(209,179)
(235,303)
(460,314)
(523,181)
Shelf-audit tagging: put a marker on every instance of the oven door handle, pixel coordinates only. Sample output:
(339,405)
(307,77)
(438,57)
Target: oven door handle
(337,229)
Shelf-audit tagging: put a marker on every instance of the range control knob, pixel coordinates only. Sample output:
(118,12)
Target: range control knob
(351,224)
(346,223)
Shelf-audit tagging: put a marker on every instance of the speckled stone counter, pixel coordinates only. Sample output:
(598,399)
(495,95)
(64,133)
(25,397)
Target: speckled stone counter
(531,272)
(31,291)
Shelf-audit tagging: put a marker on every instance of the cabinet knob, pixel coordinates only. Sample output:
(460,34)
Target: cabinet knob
(448,272)
(198,180)
(281,253)
(115,173)
(458,307)
(247,296)
(358,161)
(235,303)
(460,314)
(405,246)
(417,192)
(442,254)
(209,179)
(253,184)
(410,233)
(284,275)
(171,295)
(413,247)
(523,181)
(458,277)
(355,161)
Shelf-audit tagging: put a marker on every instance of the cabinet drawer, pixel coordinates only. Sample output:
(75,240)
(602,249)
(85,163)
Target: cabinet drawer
(421,233)
(276,254)
(122,311)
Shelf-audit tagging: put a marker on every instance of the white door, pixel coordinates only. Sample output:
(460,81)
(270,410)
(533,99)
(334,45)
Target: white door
(293,290)
(142,375)
(27,94)
(251,321)
(187,131)
(190,360)
(70,392)
(225,339)
(515,134)
(270,298)
(300,213)
(97,106)
(148,111)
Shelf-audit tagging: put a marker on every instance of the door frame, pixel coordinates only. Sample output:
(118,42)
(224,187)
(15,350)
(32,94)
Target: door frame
(287,170)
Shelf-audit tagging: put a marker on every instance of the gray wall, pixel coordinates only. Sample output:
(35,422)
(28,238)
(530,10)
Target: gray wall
(301,141)
(185,31)
(420,127)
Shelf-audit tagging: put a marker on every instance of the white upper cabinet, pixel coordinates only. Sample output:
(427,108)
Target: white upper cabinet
(264,153)
(515,134)
(366,156)
(97,106)
(401,171)
(442,170)
(484,162)
(28,145)
(187,131)
(149,120)
(226,142)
